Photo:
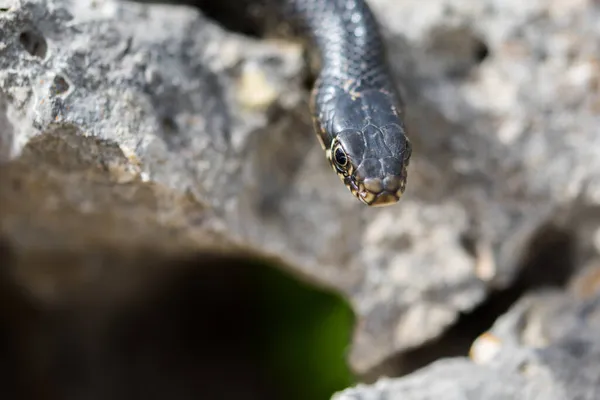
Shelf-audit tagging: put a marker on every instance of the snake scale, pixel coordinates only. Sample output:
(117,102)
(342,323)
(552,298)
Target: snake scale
(356,109)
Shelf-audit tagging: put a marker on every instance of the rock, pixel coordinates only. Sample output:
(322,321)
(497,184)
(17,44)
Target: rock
(130,126)
(98,115)
(144,324)
(546,347)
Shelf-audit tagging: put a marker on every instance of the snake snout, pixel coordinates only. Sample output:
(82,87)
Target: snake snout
(381,181)
(381,192)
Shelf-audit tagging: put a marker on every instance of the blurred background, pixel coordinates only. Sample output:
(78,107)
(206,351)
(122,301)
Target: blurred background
(170,227)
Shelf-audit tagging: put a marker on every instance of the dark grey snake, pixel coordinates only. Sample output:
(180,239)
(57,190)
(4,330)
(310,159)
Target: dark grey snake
(356,109)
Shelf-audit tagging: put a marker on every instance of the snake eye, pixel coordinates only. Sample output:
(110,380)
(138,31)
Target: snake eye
(340,156)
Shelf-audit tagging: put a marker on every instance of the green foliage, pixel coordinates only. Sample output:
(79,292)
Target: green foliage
(308,333)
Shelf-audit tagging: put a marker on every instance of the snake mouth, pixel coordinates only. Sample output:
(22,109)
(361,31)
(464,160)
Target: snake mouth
(377,192)
(384,198)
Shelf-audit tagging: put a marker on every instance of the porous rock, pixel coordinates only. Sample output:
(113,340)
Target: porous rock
(127,125)
(545,348)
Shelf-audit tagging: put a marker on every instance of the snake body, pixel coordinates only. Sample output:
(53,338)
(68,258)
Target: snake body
(356,109)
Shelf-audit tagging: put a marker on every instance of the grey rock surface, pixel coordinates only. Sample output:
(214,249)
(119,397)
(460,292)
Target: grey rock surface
(545,348)
(126,125)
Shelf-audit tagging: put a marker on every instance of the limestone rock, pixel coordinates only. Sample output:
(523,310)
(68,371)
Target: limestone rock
(126,125)
(545,348)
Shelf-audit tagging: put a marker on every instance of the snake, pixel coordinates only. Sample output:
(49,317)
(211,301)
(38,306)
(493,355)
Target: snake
(356,107)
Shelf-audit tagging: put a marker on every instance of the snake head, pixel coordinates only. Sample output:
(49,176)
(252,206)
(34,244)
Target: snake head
(372,162)
(366,143)
(362,132)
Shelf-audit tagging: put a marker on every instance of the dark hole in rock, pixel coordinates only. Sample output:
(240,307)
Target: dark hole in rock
(468,243)
(480,51)
(549,262)
(309,74)
(206,325)
(308,82)
(237,16)
(34,43)
(59,85)
(457,50)
(171,134)
(169,125)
